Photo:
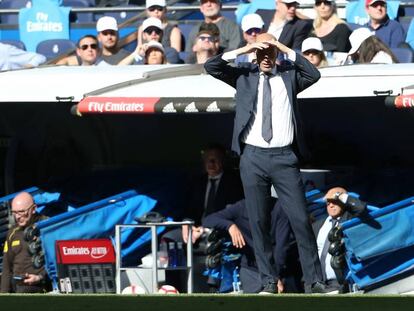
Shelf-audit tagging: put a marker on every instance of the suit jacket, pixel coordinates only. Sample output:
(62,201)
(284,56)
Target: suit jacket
(293,33)
(244,78)
(229,191)
(280,229)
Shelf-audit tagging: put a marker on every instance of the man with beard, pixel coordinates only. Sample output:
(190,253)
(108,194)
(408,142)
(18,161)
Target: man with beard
(230,34)
(108,36)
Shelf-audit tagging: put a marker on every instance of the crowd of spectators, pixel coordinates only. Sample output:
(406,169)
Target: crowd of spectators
(216,34)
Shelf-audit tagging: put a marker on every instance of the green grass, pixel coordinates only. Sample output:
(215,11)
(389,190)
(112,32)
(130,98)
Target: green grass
(185,302)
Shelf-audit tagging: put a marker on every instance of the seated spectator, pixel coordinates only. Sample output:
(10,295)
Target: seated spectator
(312,49)
(230,34)
(88,53)
(207,43)
(108,36)
(12,57)
(152,31)
(154,53)
(172,35)
(329,28)
(368,48)
(285,24)
(389,31)
(234,219)
(338,206)
(252,25)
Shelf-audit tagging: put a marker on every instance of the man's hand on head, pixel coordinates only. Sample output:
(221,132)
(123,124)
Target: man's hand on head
(280,46)
(253,47)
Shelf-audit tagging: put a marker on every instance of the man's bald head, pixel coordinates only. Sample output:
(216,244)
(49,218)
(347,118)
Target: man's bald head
(331,192)
(23,208)
(266,58)
(265,37)
(334,207)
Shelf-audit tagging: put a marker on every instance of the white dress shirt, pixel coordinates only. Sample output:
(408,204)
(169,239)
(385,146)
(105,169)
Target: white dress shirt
(282,114)
(322,236)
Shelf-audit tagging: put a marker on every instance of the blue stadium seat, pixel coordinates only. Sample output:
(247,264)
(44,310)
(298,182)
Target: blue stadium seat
(17,43)
(404,55)
(54,47)
(13,18)
(79,17)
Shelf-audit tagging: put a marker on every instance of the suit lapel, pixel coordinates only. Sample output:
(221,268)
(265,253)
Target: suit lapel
(288,84)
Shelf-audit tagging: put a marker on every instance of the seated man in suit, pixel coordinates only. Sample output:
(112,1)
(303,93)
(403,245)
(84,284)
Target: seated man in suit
(235,221)
(284,24)
(211,191)
(340,207)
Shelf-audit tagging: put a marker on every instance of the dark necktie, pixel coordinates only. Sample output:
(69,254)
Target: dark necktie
(210,198)
(324,252)
(267,132)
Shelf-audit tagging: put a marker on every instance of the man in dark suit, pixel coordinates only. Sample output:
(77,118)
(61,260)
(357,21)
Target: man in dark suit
(340,207)
(211,191)
(265,126)
(284,24)
(235,221)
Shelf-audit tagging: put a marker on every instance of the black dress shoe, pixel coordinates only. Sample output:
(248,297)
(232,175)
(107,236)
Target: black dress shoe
(318,288)
(268,289)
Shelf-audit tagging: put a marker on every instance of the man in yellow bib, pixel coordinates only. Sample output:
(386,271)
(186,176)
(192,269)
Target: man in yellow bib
(21,273)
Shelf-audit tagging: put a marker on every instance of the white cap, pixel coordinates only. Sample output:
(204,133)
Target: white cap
(250,21)
(290,1)
(106,23)
(151,21)
(357,37)
(154,44)
(150,3)
(312,43)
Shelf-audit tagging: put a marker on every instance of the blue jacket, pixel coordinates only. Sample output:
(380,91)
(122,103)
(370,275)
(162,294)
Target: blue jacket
(280,228)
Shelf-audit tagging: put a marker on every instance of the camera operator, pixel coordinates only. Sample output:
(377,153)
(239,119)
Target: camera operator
(19,273)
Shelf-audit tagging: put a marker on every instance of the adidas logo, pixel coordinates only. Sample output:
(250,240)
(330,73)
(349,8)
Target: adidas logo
(213,107)
(169,108)
(191,108)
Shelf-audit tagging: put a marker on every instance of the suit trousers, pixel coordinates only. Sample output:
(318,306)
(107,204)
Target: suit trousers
(259,169)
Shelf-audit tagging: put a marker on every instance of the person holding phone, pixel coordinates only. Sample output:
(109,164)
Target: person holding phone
(19,274)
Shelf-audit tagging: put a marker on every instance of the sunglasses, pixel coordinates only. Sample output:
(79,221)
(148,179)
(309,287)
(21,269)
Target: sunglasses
(108,32)
(205,38)
(24,211)
(253,30)
(314,52)
(152,29)
(93,46)
(155,8)
(319,3)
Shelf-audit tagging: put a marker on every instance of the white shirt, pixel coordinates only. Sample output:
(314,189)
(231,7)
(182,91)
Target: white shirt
(276,30)
(322,236)
(282,115)
(382,58)
(13,58)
